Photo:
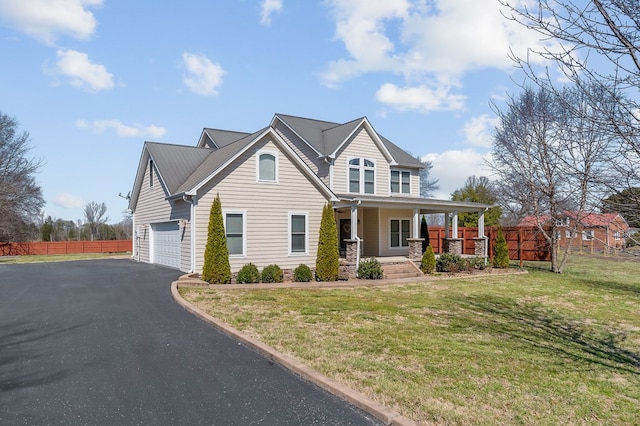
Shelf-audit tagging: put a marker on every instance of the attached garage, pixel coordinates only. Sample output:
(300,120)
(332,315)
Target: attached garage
(165,243)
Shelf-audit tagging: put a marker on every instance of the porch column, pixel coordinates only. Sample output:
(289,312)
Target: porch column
(447,232)
(454,225)
(354,221)
(416,223)
(480,243)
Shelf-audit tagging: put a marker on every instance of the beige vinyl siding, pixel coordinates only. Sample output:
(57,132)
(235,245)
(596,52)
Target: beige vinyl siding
(361,145)
(267,207)
(415,182)
(152,207)
(385,216)
(304,151)
(371,231)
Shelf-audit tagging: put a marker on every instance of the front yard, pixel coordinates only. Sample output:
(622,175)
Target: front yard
(538,348)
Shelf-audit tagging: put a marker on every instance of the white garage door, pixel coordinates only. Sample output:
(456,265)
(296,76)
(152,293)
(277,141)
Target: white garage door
(166,244)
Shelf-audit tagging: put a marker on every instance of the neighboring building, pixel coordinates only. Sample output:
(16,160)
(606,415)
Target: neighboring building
(273,185)
(593,230)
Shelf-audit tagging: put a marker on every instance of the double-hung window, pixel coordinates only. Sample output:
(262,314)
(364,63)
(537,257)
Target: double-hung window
(362,176)
(267,166)
(587,235)
(399,232)
(235,231)
(298,232)
(400,182)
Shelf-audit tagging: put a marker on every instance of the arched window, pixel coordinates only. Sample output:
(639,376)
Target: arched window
(362,176)
(267,167)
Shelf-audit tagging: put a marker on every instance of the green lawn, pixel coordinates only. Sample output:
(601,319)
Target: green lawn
(537,348)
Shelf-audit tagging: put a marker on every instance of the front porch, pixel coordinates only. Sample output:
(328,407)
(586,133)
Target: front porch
(387,228)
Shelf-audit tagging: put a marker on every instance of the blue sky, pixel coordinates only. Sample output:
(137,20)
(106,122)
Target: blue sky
(91,80)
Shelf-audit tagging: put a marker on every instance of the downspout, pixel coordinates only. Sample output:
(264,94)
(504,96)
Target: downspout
(192,216)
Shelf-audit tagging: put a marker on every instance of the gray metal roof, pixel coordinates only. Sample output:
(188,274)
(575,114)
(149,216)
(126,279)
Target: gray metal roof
(216,159)
(326,137)
(224,137)
(426,205)
(175,163)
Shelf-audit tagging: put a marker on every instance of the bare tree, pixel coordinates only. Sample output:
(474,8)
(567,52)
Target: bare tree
(551,157)
(94,215)
(20,196)
(427,185)
(598,50)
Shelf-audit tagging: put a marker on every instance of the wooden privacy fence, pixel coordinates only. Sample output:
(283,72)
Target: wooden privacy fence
(523,243)
(65,247)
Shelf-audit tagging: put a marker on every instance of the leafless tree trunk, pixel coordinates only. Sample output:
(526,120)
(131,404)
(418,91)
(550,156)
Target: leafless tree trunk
(94,215)
(550,158)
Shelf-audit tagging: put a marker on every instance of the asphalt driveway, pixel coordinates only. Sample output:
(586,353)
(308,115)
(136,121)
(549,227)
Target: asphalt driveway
(102,342)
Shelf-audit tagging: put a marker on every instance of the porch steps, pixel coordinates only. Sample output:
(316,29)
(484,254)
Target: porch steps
(404,269)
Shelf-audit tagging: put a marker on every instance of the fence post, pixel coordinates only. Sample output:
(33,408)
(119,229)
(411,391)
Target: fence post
(520,247)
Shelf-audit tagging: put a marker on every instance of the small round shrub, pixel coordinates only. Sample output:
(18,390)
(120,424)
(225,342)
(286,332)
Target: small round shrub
(428,264)
(448,262)
(370,269)
(249,274)
(302,274)
(272,274)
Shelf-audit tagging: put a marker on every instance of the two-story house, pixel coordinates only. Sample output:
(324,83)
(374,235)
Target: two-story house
(273,185)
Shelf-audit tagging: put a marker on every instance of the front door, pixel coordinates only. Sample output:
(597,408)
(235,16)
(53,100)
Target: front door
(345,234)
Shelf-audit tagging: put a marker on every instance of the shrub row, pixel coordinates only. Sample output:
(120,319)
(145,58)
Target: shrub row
(249,274)
(450,262)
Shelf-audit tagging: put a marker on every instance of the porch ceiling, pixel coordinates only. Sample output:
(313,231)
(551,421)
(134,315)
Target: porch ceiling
(426,205)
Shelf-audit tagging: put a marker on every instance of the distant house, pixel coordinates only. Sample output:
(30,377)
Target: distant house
(273,184)
(595,230)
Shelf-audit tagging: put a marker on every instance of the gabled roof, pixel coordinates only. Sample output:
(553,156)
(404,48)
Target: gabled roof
(326,138)
(173,163)
(219,138)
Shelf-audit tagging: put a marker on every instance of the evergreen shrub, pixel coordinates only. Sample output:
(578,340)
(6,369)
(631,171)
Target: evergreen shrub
(272,274)
(328,257)
(370,269)
(248,274)
(428,264)
(500,251)
(449,262)
(302,274)
(216,268)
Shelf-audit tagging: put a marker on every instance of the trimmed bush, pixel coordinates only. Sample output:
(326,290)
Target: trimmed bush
(500,251)
(272,274)
(302,274)
(249,274)
(216,268)
(449,262)
(428,264)
(370,269)
(328,257)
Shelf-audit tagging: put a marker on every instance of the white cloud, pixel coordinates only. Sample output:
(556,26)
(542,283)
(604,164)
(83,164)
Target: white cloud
(121,129)
(83,73)
(269,7)
(203,76)
(45,20)
(435,41)
(479,130)
(452,168)
(68,201)
(420,98)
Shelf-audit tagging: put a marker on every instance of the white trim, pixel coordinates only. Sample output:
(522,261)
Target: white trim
(400,219)
(285,147)
(273,153)
(400,171)
(361,175)
(374,136)
(306,233)
(225,212)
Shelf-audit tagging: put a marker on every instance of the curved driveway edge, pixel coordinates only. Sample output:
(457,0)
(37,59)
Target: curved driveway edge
(356,398)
